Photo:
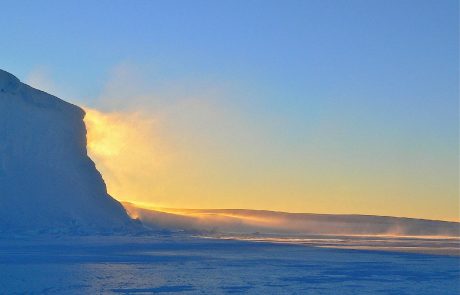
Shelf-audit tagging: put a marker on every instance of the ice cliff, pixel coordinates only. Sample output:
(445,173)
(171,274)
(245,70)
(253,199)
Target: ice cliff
(47,181)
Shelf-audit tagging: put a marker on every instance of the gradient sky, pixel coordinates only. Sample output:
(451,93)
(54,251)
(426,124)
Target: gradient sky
(299,106)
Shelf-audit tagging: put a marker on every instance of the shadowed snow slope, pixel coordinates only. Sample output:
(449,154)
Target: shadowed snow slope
(47,181)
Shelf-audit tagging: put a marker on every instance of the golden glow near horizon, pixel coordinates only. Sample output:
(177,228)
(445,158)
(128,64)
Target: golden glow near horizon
(124,152)
(185,166)
(105,139)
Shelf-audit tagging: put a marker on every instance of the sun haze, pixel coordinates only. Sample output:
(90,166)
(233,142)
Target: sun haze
(300,106)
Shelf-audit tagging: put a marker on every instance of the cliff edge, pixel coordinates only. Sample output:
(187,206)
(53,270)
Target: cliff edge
(47,181)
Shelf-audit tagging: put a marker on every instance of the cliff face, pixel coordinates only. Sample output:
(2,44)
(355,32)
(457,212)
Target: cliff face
(47,181)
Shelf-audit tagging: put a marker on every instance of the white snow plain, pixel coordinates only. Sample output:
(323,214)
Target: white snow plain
(181,264)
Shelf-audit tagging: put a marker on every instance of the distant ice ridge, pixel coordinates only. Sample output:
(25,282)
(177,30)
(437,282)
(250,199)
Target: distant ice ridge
(270,222)
(47,181)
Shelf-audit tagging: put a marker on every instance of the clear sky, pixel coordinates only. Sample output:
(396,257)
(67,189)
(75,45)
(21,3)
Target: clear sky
(302,106)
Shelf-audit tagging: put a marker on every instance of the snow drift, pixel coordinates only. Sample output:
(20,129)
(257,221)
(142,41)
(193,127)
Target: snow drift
(47,181)
(270,222)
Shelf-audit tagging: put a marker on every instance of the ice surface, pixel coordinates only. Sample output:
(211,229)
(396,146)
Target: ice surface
(181,264)
(47,181)
(413,244)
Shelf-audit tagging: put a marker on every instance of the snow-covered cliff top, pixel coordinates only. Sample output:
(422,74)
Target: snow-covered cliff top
(8,82)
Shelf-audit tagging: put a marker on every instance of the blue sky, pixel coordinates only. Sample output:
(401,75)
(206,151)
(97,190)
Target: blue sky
(383,75)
